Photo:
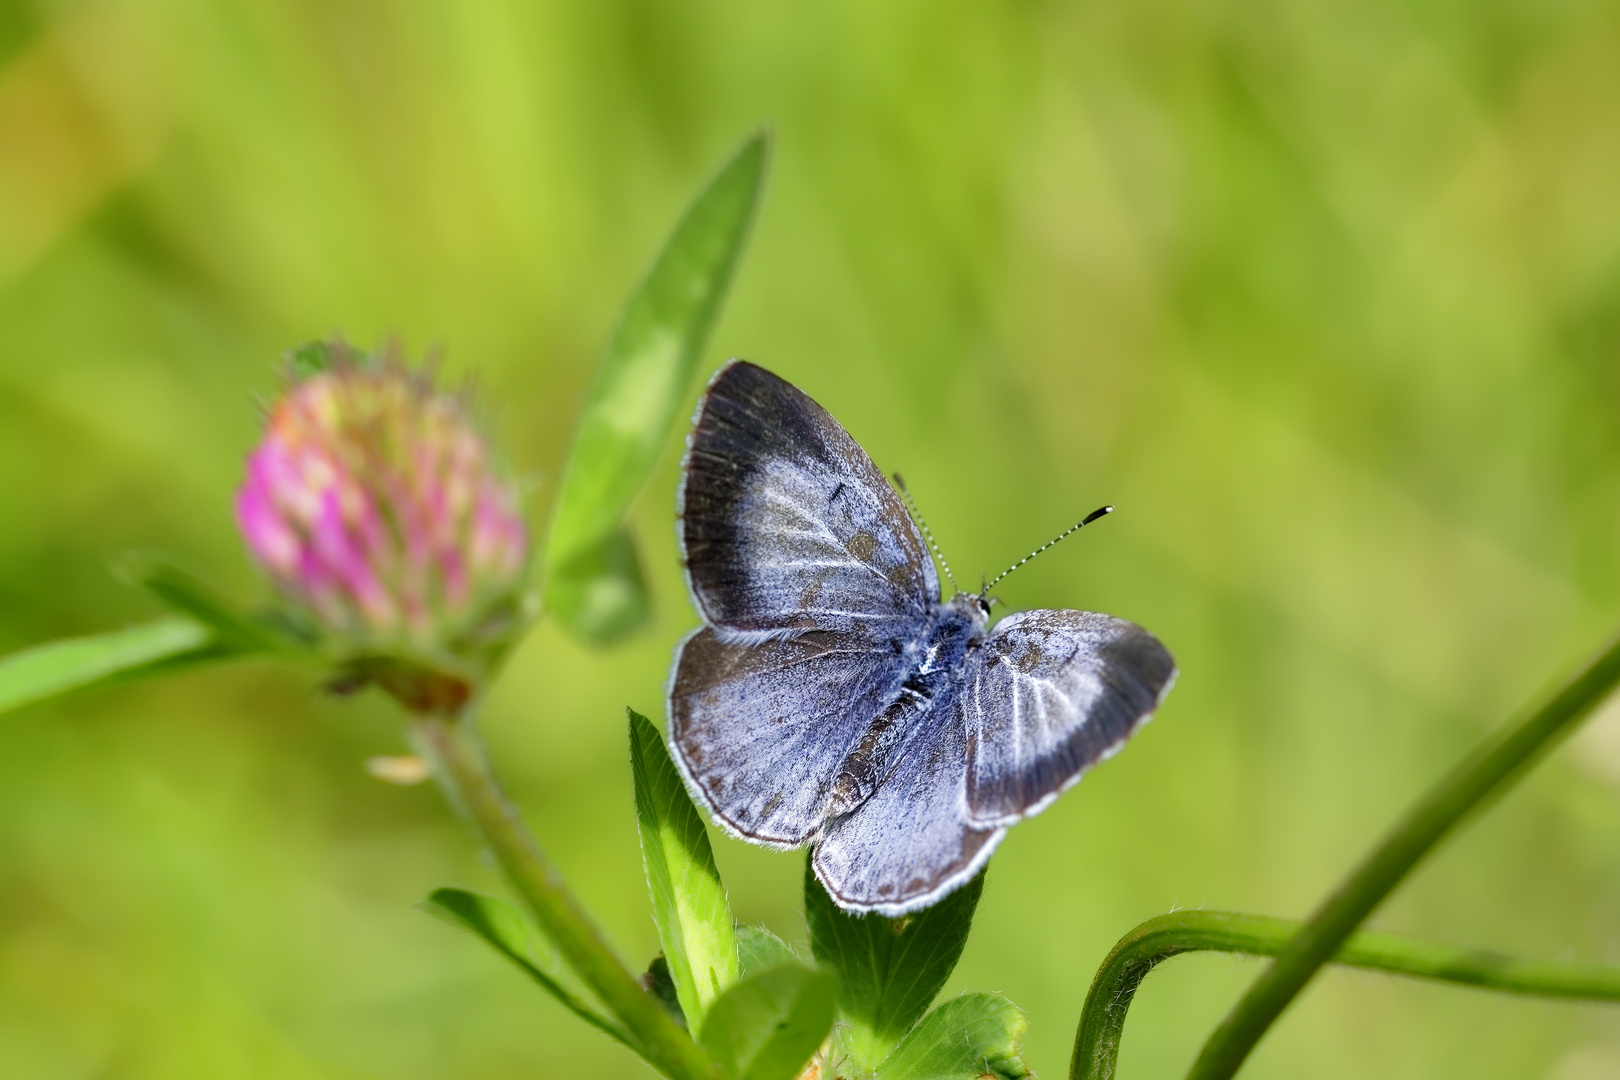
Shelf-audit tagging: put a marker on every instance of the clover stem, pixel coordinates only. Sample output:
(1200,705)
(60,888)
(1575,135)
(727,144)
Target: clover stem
(1096,1043)
(1493,767)
(463,769)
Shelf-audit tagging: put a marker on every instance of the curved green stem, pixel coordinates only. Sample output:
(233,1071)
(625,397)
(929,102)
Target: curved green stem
(1096,1043)
(463,769)
(1492,768)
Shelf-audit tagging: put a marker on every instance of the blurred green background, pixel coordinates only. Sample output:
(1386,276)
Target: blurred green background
(1324,297)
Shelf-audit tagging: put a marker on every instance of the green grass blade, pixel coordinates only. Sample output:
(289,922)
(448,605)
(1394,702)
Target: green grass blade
(46,671)
(515,936)
(1096,1042)
(642,383)
(767,1026)
(889,970)
(975,1035)
(689,903)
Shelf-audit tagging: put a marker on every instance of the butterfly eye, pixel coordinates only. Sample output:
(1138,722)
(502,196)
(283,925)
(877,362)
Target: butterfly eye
(984,603)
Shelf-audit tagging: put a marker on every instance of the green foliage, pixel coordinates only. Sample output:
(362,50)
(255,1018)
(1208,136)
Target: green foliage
(46,671)
(689,903)
(767,1026)
(233,628)
(1492,768)
(658,982)
(758,949)
(889,970)
(594,583)
(975,1035)
(214,630)
(601,593)
(515,936)
(1096,1042)
(311,358)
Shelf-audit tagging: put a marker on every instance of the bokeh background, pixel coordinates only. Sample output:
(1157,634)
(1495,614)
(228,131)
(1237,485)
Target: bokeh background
(1324,297)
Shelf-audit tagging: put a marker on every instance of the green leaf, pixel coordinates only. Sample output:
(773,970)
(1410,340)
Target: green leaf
(889,970)
(45,671)
(643,379)
(767,1026)
(517,938)
(689,903)
(968,1037)
(758,949)
(601,594)
(314,357)
(233,628)
(658,982)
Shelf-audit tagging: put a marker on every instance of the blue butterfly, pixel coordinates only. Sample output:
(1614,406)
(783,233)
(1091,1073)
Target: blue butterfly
(832,697)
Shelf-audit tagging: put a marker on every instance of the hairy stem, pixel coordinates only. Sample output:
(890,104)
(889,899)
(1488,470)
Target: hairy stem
(1096,1043)
(1493,767)
(462,767)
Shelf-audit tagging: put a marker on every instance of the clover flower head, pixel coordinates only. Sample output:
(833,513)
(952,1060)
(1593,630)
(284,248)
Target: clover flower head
(377,507)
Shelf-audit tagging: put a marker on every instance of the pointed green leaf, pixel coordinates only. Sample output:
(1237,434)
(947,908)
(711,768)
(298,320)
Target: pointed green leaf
(643,379)
(758,949)
(975,1035)
(889,970)
(515,936)
(45,671)
(767,1026)
(232,627)
(689,903)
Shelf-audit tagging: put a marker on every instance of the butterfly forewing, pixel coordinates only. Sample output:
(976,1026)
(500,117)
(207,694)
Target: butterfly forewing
(812,577)
(1056,692)
(760,729)
(786,525)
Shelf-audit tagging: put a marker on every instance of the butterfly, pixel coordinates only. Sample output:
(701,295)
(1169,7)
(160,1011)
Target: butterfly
(833,697)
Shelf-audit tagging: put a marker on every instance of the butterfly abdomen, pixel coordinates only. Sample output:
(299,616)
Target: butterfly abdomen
(934,673)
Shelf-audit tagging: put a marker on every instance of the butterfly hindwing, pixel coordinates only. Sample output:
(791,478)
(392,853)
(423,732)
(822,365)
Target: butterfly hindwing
(1055,693)
(786,525)
(759,730)
(912,841)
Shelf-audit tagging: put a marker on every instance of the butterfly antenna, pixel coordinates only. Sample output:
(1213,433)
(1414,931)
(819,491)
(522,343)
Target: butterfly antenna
(928,534)
(1101,511)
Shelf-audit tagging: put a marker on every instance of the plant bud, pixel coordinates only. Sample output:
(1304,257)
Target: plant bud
(378,509)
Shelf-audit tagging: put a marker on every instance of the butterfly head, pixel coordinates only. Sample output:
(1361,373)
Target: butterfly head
(971,607)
